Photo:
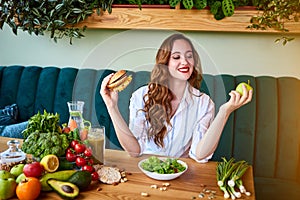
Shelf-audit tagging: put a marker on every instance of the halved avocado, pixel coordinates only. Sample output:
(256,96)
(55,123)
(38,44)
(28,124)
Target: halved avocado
(65,189)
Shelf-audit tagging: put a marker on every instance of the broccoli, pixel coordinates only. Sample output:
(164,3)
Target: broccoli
(42,144)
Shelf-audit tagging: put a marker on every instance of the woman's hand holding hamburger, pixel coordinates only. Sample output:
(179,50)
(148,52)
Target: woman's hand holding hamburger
(112,84)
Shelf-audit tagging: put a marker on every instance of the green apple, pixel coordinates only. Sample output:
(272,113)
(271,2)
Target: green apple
(239,88)
(20,178)
(5,174)
(7,188)
(17,170)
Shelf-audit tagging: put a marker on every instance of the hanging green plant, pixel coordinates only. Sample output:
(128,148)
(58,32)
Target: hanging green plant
(219,8)
(58,17)
(201,4)
(274,14)
(228,8)
(174,3)
(188,4)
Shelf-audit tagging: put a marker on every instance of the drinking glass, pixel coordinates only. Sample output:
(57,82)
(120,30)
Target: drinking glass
(96,141)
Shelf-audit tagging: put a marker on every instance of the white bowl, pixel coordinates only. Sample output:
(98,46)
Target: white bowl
(158,176)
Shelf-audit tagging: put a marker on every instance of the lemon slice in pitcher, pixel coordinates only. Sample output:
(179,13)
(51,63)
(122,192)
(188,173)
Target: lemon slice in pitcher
(50,163)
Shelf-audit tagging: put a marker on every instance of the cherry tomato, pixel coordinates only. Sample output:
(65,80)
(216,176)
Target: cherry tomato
(88,152)
(71,157)
(69,150)
(95,176)
(80,162)
(73,143)
(90,161)
(88,168)
(79,148)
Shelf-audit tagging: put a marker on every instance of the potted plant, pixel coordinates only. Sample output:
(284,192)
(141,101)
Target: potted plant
(272,14)
(141,4)
(54,16)
(219,8)
(68,18)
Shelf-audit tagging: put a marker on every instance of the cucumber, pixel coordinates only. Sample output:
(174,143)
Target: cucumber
(59,175)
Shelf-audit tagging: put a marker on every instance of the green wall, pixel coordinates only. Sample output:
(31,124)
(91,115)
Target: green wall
(231,53)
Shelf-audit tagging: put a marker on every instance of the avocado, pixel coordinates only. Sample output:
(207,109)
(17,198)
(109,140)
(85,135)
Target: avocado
(81,178)
(65,165)
(59,175)
(65,189)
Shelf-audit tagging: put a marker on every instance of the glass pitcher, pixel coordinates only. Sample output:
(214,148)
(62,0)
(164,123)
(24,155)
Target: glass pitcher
(76,119)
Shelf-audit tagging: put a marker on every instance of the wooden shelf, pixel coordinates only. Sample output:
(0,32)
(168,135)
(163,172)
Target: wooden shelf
(177,19)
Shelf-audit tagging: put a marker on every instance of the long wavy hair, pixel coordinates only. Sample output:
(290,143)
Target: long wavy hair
(158,108)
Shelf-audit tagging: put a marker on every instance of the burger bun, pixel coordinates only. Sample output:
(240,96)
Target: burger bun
(119,81)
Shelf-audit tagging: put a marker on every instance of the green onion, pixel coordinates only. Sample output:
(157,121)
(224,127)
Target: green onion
(229,174)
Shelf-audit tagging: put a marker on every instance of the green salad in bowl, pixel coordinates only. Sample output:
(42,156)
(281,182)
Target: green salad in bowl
(162,168)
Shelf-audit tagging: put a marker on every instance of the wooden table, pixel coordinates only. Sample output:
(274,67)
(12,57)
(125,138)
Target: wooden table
(198,178)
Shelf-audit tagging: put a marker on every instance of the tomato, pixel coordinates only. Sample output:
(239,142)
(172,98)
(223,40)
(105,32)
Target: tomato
(79,148)
(34,169)
(80,162)
(71,157)
(95,176)
(29,188)
(69,150)
(73,143)
(88,168)
(88,152)
(90,161)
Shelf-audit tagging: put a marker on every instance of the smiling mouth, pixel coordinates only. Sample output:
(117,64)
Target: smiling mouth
(184,69)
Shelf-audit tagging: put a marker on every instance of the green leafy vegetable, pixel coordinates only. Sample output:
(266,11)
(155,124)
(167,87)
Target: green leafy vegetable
(42,144)
(167,166)
(44,136)
(43,123)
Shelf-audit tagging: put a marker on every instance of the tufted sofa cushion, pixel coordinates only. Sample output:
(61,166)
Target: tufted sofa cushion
(265,132)
(34,89)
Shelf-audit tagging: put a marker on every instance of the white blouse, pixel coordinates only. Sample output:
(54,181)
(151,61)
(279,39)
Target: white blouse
(194,115)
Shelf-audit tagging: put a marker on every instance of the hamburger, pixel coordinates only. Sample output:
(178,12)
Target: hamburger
(119,81)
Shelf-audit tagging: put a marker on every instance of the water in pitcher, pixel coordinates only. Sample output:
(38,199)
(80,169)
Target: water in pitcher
(76,117)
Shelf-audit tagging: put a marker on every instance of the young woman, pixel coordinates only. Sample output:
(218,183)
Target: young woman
(170,116)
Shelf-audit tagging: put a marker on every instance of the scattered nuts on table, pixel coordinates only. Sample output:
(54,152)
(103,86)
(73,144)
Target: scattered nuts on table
(201,195)
(154,186)
(210,193)
(124,179)
(123,174)
(166,184)
(163,188)
(144,194)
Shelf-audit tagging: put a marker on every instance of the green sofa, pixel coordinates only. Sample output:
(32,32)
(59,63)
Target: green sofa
(266,132)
